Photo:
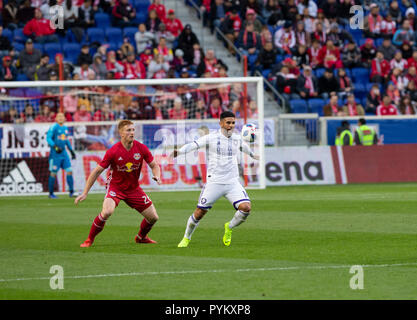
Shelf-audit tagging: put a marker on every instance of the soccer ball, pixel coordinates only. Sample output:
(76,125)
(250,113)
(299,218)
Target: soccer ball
(248,132)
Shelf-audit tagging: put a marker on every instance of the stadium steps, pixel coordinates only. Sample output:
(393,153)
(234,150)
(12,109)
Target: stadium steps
(208,41)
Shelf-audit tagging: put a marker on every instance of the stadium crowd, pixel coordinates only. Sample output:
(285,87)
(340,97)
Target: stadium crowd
(317,61)
(154,45)
(306,48)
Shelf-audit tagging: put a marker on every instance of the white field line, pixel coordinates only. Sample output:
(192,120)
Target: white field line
(155,273)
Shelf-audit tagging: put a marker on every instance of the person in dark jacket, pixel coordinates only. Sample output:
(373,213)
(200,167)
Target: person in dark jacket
(328,84)
(186,41)
(29,58)
(84,56)
(8,72)
(124,14)
(86,14)
(267,56)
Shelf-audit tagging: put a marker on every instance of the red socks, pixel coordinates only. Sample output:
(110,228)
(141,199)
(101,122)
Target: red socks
(96,227)
(145,227)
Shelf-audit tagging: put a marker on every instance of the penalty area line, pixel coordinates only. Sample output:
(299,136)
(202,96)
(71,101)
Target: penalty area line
(155,273)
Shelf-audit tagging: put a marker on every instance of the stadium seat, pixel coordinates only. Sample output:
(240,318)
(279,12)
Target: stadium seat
(18,46)
(8,34)
(141,16)
(19,36)
(316,105)
(71,52)
(102,20)
(360,74)
(51,49)
(113,34)
(129,32)
(95,35)
(298,106)
(113,46)
(142,5)
(359,90)
(38,46)
(378,42)
(319,72)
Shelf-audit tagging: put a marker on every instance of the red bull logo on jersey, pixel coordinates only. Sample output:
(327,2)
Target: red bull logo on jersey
(128,167)
(62,137)
(136,156)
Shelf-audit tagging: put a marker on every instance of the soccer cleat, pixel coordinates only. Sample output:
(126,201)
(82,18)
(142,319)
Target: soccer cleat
(144,240)
(87,243)
(227,238)
(72,194)
(52,196)
(184,243)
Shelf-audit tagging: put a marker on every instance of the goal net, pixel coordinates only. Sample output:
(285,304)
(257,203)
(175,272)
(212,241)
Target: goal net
(167,114)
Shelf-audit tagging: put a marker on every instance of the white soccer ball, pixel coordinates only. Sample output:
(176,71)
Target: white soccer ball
(248,132)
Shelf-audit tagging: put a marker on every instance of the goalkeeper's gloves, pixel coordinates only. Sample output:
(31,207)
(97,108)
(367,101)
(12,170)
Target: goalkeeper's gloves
(58,149)
(72,154)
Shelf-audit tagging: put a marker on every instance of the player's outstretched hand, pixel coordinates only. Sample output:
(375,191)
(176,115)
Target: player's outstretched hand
(80,198)
(73,156)
(157,179)
(256,157)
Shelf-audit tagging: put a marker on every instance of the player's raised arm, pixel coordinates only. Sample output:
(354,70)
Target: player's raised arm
(190,146)
(90,181)
(156,171)
(246,149)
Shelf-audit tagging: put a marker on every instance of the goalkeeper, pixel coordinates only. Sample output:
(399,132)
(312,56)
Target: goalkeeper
(57,138)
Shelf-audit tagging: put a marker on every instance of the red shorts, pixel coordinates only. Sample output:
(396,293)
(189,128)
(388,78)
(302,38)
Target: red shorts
(136,199)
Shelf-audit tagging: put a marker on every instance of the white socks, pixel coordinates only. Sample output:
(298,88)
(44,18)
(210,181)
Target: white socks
(238,218)
(192,223)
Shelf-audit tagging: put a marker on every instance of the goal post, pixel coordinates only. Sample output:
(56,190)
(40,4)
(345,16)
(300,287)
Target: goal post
(160,123)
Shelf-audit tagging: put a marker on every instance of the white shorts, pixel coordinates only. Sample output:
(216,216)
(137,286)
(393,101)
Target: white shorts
(211,192)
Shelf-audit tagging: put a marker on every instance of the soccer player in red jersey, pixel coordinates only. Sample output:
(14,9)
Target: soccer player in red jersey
(125,159)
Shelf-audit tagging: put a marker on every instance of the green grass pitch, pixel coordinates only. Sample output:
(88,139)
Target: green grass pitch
(298,243)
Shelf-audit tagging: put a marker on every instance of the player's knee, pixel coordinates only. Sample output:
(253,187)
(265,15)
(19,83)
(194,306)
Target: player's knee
(245,207)
(106,213)
(153,219)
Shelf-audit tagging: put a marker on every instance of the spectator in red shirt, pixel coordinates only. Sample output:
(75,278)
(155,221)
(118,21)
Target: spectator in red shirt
(386,108)
(329,56)
(231,27)
(173,24)
(124,14)
(380,68)
(46,115)
(159,8)
(104,113)
(177,112)
(112,65)
(215,108)
(412,61)
(412,75)
(133,68)
(39,29)
(82,114)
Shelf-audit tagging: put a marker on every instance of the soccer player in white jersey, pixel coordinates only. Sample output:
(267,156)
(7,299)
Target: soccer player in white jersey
(222,150)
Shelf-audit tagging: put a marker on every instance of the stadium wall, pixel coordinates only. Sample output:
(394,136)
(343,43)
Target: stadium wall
(284,166)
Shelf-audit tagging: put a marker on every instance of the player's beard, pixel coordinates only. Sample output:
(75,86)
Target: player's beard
(227,133)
